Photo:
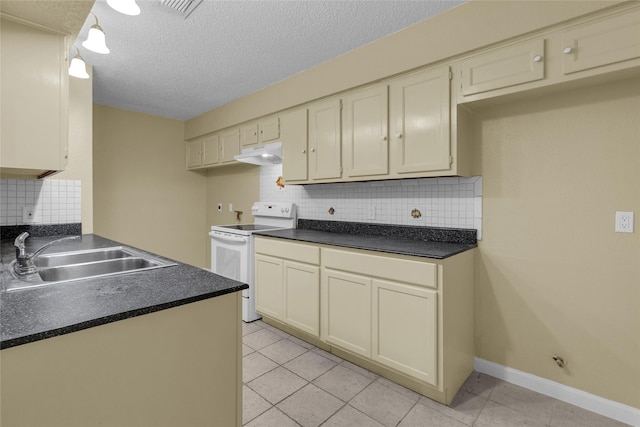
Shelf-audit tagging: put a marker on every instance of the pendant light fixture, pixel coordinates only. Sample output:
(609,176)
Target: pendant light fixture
(95,41)
(128,7)
(78,68)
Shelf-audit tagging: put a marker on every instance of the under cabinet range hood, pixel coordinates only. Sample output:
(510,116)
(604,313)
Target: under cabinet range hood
(269,154)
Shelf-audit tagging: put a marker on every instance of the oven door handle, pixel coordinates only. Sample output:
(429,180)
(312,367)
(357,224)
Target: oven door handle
(228,238)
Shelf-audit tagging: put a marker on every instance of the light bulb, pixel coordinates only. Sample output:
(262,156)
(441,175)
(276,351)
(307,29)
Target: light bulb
(128,7)
(78,68)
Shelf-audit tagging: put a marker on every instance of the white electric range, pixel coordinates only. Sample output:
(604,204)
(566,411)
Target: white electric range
(232,248)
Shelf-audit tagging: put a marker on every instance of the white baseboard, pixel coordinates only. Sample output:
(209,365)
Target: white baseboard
(591,402)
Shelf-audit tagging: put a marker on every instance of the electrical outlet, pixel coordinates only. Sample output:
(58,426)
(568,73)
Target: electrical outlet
(230,207)
(624,222)
(28,214)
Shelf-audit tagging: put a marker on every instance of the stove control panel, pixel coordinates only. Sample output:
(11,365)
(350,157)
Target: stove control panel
(278,209)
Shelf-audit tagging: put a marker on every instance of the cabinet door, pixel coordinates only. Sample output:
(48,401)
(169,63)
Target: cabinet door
(249,135)
(420,122)
(405,329)
(346,311)
(210,150)
(229,145)
(268,130)
(194,153)
(504,67)
(365,135)
(602,43)
(325,140)
(269,282)
(294,145)
(302,297)
(34,98)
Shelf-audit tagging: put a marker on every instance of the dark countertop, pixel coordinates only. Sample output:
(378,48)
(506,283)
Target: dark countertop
(33,314)
(427,242)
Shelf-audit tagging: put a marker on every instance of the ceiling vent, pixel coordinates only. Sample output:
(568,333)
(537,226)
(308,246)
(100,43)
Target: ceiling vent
(181,8)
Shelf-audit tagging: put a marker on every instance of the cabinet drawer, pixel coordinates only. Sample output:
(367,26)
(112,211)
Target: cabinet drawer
(505,67)
(401,270)
(602,43)
(286,249)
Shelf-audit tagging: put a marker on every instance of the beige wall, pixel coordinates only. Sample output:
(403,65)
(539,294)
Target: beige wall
(237,184)
(459,30)
(143,195)
(552,277)
(80,163)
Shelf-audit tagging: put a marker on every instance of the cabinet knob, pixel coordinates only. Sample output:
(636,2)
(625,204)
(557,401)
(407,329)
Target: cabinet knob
(567,50)
(303,151)
(383,138)
(398,135)
(313,150)
(537,58)
(261,132)
(255,133)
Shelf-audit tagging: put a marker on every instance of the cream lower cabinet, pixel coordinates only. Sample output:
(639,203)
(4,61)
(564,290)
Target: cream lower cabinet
(346,311)
(405,329)
(287,280)
(407,318)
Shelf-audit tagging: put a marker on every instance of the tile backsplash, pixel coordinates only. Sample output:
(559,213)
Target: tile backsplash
(435,202)
(50,201)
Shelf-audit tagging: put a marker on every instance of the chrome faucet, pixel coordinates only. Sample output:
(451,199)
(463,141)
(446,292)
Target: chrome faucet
(25,263)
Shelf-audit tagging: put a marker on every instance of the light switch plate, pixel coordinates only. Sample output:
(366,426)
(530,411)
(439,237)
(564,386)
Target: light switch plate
(624,222)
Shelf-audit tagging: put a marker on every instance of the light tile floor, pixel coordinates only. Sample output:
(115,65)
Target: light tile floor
(288,382)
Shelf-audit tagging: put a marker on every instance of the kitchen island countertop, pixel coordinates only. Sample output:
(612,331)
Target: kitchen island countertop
(29,315)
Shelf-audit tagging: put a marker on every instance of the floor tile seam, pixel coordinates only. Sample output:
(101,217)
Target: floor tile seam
(512,409)
(279,401)
(265,346)
(396,391)
(484,404)
(335,412)
(264,373)
(547,422)
(409,411)
(337,397)
(275,361)
(266,410)
(287,415)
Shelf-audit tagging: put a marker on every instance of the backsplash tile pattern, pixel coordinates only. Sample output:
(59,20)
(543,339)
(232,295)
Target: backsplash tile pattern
(435,202)
(53,201)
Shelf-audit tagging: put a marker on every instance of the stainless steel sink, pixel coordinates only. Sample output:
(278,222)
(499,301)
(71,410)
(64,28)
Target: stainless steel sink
(95,269)
(65,267)
(78,257)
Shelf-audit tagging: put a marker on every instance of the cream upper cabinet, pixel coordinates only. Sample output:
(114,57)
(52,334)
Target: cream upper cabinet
(229,145)
(194,153)
(262,132)
(203,152)
(210,150)
(420,122)
(607,41)
(34,100)
(504,67)
(325,130)
(287,279)
(365,139)
(294,137)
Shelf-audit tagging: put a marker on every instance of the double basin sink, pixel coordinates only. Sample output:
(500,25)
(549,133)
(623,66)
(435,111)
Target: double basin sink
(84,264)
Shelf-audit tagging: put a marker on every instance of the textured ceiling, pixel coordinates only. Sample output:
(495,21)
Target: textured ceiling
(165,65)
